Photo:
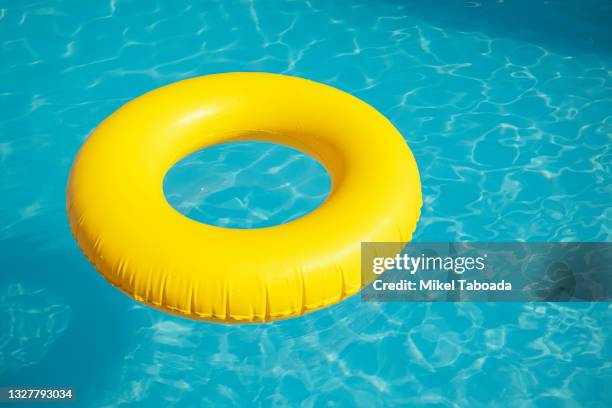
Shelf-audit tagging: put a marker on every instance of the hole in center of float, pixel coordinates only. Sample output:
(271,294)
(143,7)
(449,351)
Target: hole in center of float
(246,185)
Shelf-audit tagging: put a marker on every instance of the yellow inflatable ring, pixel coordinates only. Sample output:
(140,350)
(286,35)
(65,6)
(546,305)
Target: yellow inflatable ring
(140,244)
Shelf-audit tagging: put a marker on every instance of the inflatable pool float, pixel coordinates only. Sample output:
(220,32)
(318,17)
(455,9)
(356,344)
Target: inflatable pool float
(140,244)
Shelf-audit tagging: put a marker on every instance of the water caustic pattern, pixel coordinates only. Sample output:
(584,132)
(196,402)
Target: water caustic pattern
(31,320)
(247,185)
(506,106)
(500,355)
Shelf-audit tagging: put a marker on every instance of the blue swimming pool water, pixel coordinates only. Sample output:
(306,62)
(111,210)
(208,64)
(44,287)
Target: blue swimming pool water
(247,185)
(506,106)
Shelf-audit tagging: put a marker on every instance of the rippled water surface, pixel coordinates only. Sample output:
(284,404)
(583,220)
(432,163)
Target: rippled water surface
(505,104)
